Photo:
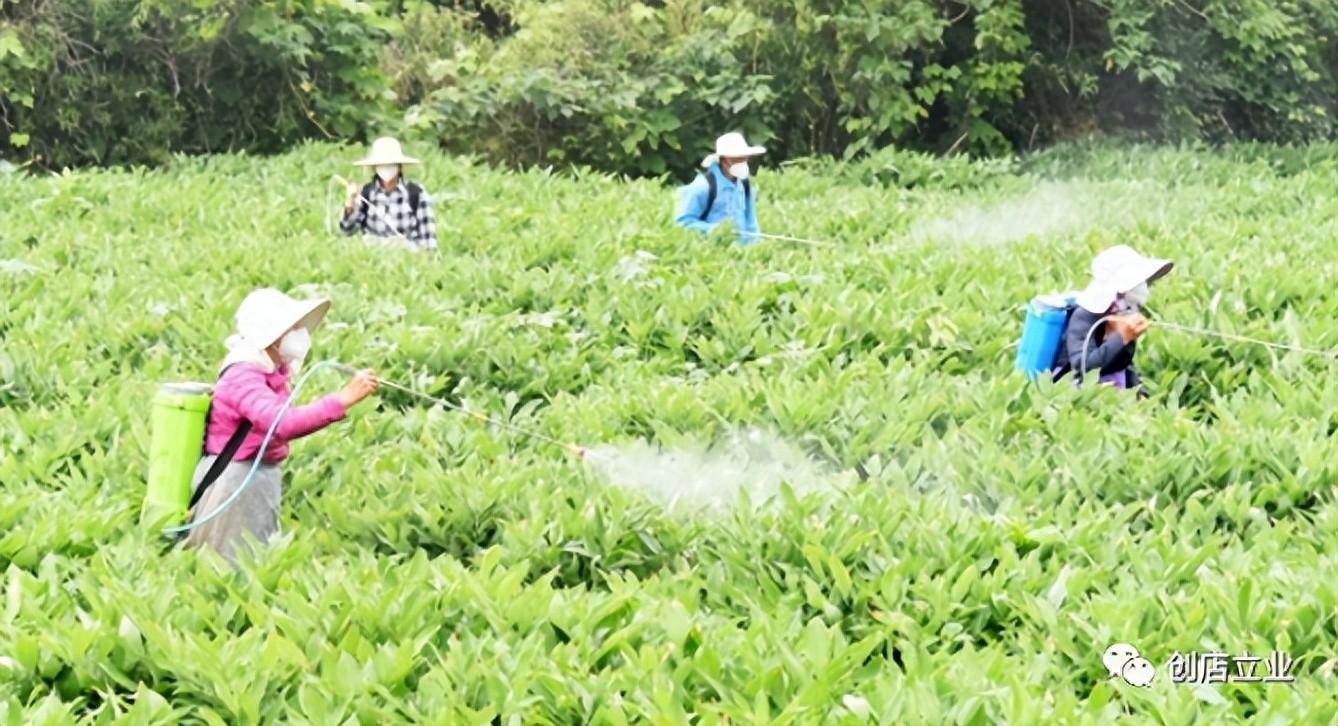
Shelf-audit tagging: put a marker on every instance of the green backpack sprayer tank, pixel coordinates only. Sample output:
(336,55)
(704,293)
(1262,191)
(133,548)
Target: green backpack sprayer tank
(178,422)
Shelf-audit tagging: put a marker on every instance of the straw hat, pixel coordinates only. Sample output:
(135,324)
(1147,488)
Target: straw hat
(386,151)
(1116,271)
(731,146)
(267,314)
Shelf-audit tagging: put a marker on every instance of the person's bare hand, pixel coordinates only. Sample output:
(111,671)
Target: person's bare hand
(1130,327)
(1139,325)
(354,191)
(362,385)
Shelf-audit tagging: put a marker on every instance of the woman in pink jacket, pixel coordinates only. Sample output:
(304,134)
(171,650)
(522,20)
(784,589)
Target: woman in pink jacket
(272,339)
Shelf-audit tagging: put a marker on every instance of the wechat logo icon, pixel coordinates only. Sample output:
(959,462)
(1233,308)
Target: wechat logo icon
(1122,659)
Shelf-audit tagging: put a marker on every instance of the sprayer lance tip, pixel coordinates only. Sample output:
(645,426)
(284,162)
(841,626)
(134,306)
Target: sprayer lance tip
(581,451)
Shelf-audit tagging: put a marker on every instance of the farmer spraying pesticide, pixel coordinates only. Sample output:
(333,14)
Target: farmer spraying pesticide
(723,191)
(390,206)
(272,339)
(1096,329)
(1103,331)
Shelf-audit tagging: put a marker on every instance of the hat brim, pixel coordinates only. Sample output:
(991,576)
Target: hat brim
(1097,297)
(1161,267)
(313,313)
(1145,270)
(744,152)
(299,314)
(748,152)
(386,160)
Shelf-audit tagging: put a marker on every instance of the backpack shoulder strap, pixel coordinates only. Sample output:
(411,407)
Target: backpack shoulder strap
(415,192)
(747,190)
(366,196)
(710,195)
(1060,365)
(224,458)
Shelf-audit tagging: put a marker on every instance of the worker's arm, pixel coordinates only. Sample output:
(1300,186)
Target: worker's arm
(355,217)
(259,404)
(692,206)
(1098,356)
(748,231)
(751,211)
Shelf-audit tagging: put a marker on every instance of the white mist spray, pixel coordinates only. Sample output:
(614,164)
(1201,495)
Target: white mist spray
(712,478)
(1048,208)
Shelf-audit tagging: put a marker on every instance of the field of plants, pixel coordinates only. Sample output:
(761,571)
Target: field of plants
(434,569)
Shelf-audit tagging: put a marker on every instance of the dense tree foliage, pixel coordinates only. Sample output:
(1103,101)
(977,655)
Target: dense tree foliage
(638,87)
(128,81)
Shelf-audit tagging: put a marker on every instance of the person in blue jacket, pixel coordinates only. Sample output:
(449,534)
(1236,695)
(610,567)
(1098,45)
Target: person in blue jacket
(722,191)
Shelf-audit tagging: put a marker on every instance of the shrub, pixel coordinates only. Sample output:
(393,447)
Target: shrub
(128,81)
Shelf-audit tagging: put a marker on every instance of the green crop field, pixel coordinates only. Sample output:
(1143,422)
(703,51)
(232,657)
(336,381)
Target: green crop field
(436,569)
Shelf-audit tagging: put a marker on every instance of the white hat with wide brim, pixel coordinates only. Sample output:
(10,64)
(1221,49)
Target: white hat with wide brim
(1116,271)
(732,146)
(386,151)
(267,314)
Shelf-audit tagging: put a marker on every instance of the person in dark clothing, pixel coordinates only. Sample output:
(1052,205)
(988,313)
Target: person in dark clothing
(1106,322)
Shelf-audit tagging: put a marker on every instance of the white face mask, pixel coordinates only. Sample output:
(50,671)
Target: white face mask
(1138,297)
(295,345)
(386,173)
(739,170)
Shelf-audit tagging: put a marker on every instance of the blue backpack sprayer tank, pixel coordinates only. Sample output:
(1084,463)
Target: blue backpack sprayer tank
(1042,331)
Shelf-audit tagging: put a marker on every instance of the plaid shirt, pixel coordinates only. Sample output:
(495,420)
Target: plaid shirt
(393,217)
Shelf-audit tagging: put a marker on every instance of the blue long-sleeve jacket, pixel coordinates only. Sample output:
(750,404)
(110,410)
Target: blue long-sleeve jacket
(730,203)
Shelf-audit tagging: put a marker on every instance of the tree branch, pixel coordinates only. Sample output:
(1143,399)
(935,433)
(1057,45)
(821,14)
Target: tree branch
(1069,6)
(1194,10)
(956,143)
(306,111)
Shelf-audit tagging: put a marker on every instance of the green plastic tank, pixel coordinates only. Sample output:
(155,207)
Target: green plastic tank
(177,440)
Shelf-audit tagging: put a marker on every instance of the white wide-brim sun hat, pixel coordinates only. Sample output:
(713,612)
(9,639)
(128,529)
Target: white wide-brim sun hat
(730,146)
(267,314)
(385,152)
(1116,271)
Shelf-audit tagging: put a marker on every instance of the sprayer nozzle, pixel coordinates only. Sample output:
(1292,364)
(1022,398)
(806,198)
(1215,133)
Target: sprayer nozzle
(581,451)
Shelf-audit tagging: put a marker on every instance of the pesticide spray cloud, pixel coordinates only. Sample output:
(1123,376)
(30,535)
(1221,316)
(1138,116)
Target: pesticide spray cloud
(17,267)
(1048,208)
(712,478)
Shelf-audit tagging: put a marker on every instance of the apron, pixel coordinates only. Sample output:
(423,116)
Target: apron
(1119,379)
(256,511)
